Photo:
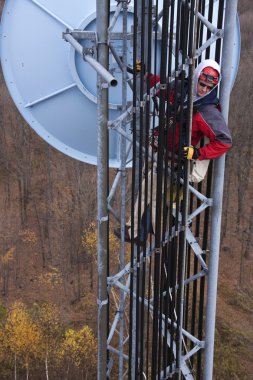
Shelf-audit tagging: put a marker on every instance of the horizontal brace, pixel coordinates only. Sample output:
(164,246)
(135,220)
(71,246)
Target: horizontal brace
(92,36)
(83,34)
(117,36)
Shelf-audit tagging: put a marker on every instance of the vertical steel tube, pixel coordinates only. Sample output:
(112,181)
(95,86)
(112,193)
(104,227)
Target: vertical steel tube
(192,53)
(226,70)
(134,356)
(102,187)
(123,189)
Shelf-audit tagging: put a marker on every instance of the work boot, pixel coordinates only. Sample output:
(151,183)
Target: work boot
(140,242)
(117,232)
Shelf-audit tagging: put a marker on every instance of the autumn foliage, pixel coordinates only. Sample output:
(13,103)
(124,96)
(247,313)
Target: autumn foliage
(34,344)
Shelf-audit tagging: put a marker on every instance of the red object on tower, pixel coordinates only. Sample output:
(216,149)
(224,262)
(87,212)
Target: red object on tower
(210,75)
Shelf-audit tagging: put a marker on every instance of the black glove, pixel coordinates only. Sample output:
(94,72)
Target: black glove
(191,153)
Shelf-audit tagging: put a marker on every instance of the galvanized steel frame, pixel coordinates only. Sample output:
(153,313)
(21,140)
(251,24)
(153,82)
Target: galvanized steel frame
(104,202)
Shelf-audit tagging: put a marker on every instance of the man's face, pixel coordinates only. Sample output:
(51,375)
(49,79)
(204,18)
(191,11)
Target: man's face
(203,87)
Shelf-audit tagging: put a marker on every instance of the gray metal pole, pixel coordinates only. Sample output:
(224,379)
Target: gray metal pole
(226,70)
(134,310)
(102,187)
(182,286)
(123,190)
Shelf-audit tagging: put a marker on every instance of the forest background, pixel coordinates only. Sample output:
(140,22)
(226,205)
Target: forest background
(48,266)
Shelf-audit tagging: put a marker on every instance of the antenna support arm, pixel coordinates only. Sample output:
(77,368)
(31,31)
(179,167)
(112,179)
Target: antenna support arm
(106,75)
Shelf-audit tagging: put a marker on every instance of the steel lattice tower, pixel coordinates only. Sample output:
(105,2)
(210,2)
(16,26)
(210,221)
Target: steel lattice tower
(157,328)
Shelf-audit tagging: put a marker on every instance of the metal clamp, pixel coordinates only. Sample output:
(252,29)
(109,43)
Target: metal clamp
(104,85)
(163,86)
(88,51)
(219,33)
(102,303)
(103,219)
(209,202)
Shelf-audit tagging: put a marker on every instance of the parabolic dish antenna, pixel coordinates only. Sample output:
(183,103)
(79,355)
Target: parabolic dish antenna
(53,88)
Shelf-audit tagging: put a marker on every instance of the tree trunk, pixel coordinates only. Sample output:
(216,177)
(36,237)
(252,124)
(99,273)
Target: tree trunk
(15,367)
(27,368)
(46,365)
(67,373)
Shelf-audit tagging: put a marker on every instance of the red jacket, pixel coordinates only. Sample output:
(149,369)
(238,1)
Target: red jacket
(209,122)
